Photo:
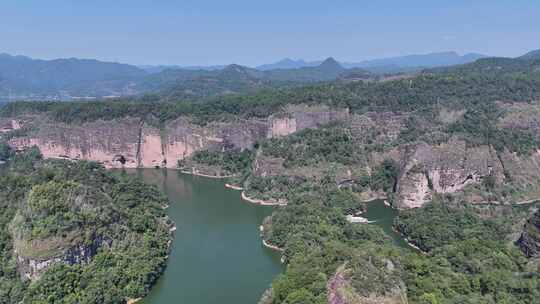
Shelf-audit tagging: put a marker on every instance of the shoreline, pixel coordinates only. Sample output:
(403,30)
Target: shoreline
(358,219)
(412,245)
(234,187)
(205,175)
(265,243)
(270,246)
(531,201)
(133,301)
(259,201)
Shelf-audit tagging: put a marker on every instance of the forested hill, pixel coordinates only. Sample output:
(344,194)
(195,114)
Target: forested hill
(475,84)
(179,84)
(23,78)
(531,55)
(21,75)
(70,232)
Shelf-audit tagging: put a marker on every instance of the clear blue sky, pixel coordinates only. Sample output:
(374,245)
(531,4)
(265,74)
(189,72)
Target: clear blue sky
(251,32)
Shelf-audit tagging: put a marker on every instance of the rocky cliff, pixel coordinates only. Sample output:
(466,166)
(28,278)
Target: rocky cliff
(133,143)
(32,266)
(8,125)
(529,242)
(445,168)
(341,291)
(427,167)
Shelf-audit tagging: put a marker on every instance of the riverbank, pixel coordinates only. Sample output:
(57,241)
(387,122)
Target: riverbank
(409,243)
(528,201)
(358,219)
(206,175)
(217,234)
(259,201)
(412,245)
(234,187)
(266,244)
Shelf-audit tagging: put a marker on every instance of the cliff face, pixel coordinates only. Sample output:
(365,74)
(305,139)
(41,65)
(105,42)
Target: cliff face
(32,267)
(529,242)
(425,169)
(132,143)
(300,117)
(115,144)
(7,125)
(340,291)
(445,168)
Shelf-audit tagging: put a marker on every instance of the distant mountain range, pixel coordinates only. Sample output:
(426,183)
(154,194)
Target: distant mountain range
(415,61)
(288,63)
(391,64)
(67,79)
(25,77)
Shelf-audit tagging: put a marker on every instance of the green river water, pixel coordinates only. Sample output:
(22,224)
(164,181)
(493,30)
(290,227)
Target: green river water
(217,255)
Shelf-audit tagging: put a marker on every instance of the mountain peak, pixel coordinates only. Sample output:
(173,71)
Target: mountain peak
(236,70)
(331,63)
(531,55)
(234,66)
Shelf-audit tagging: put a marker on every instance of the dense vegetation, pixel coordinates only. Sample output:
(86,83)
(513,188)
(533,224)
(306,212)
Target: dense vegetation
(312,146)
(62,204)
(317,240)
(469,260)
(437,225)
(232,162)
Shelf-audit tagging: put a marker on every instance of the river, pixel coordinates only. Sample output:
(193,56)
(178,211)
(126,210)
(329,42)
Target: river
(217,255)
(383,216)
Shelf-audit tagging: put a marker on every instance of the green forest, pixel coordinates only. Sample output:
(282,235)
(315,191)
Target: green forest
(62,204)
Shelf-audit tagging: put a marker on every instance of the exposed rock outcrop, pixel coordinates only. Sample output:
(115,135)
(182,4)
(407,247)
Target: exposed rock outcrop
(445,168)
(529,242)
(8,125)
(32,267)
(132,143)
(340,291)
(107,142)
(426,169)
(300,117)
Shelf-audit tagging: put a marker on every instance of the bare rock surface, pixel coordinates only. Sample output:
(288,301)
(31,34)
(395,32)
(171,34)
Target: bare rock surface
(529,242)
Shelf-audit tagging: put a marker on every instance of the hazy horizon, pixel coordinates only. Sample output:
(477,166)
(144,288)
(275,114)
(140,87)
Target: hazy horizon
(192,33)
(314,60)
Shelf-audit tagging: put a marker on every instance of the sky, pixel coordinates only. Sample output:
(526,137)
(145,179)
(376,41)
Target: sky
(252,32)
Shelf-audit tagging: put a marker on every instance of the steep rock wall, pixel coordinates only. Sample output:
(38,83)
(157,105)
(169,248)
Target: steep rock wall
(32,267)
(300,117)
(132,143)
(113,143)
(446,168)
(524,173)
(529,242)
(7,125)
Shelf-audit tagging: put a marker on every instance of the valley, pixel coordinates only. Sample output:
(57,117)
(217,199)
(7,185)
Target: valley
(217,239)
(450,156)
